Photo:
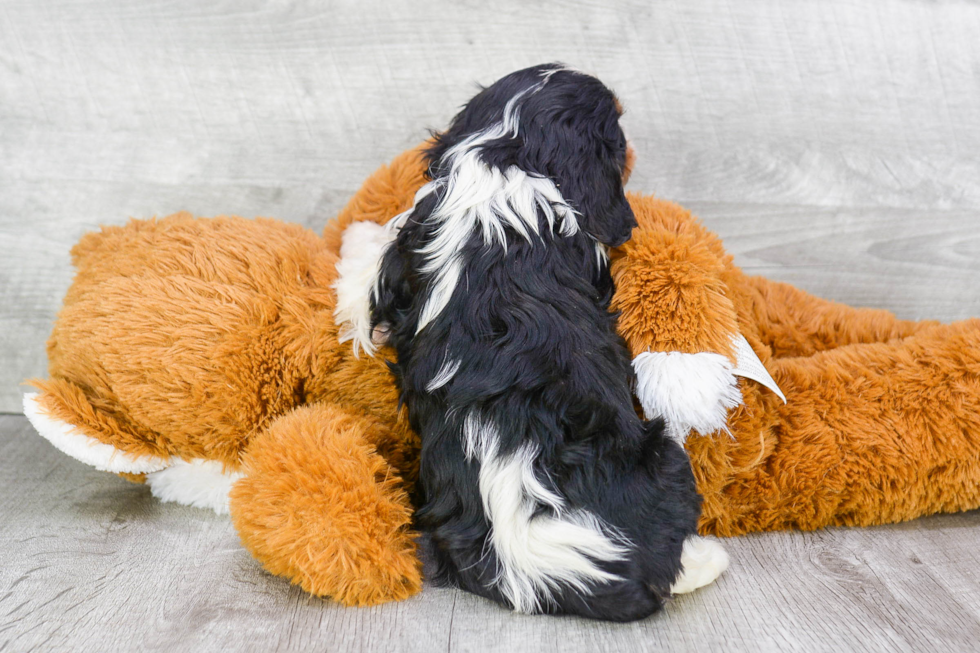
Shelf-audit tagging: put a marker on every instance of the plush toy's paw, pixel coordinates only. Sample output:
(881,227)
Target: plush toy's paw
(72,441)
(703,561)
(199,483)
(318,505)
(690,391)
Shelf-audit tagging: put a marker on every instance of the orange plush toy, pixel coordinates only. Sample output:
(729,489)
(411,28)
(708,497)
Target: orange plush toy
(213,360)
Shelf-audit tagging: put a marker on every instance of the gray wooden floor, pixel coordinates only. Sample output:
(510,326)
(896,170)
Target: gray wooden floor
(832,145)
(92,562)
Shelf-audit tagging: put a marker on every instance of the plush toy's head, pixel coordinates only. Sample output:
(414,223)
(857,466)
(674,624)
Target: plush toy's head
(553,122)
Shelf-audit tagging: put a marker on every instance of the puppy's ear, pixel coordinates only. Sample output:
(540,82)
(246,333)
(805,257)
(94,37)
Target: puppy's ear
(392,295)
(606,213)
(589,164)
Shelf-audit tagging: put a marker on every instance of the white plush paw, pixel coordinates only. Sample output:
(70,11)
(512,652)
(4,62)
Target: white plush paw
(199,483)
(690,391)
(703,561)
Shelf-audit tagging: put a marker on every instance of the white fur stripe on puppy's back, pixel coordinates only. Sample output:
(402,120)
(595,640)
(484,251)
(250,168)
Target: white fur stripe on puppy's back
(444,375)
(537,553)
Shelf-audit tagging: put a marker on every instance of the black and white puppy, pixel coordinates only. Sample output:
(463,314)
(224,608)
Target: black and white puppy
(540,486)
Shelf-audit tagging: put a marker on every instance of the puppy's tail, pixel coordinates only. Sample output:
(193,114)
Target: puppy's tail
(542,544)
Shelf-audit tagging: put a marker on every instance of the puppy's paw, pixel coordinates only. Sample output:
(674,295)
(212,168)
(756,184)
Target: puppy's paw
(703,561)
(690,391)
(380,334)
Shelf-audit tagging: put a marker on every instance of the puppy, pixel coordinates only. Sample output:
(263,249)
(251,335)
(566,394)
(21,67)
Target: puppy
(540,486)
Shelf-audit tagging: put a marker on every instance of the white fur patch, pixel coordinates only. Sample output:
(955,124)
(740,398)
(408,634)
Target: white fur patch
(703,561)
(361,249)
(199,483)
(481,198)
(444,376)
(537,553)
(67,438)
(601,254)
(546,75)
(690,391)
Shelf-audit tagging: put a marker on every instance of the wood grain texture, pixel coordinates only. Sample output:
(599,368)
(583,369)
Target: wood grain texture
(819,128)
(91,562)
(919,264)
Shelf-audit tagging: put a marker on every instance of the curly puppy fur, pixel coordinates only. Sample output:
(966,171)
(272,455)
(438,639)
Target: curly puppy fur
(541,487)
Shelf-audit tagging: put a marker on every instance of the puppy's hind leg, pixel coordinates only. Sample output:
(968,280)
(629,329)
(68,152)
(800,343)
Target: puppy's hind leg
(702,561)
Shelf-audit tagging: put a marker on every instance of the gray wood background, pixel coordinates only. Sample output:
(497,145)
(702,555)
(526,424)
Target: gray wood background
(834,145)
(93,563)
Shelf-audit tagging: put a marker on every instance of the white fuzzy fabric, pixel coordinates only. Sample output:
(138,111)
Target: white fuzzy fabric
(690,391)
(535,552)
(70,440)
(703,560)
(199,483)
(362,247)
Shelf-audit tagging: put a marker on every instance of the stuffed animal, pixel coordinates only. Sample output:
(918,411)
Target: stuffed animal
(214,360)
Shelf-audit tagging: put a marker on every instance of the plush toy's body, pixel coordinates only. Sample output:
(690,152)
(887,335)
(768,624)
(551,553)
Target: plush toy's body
(196,354)
(204,355)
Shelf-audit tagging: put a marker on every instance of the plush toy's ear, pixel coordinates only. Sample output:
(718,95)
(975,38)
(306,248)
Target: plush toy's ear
(630,162)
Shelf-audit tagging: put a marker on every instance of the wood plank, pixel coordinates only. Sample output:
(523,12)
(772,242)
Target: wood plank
(92,562)
(916,263)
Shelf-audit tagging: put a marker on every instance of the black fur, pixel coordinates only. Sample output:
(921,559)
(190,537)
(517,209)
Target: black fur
(539,355)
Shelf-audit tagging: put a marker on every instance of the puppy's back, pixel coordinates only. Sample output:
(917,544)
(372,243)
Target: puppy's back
(541,486)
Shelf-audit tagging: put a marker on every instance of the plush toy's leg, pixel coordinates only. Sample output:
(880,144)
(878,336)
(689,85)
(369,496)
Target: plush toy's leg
(873,433)
(673,282)
(318,505)
(795,323)
(65,416)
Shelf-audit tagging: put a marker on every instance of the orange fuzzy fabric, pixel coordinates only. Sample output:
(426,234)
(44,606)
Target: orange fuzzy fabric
(215,338)
(318,505)
(211,338)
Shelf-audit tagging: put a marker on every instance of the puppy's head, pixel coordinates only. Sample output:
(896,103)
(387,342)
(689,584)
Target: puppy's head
(558,123)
